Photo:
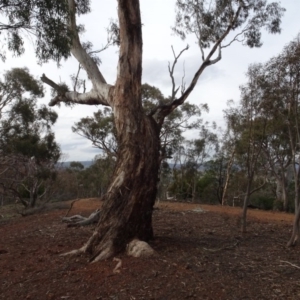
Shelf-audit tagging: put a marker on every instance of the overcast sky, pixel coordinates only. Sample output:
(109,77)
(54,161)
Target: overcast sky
(218,84)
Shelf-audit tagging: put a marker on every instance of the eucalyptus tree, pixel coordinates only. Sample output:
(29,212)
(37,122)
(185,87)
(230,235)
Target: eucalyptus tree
(249,127)
(227,154)
(286,85)
(128,204)
(198,152)
(27,144)
(279,141)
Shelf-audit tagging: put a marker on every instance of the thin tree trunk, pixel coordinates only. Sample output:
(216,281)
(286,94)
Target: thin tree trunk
(245,205)
(228,171)
(281,192)
(285,199)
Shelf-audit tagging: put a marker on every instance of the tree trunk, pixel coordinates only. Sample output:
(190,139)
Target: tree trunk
(245,206)
(281,192)
(295,233)
(228,172)
(33,195)
(128,204)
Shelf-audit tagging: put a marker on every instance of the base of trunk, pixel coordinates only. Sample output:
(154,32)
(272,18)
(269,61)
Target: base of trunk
(126,213)
(295,233)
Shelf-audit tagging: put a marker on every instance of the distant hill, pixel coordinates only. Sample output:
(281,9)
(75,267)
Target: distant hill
(85,163)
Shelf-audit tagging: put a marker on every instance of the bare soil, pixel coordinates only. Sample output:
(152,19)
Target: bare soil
(201,255)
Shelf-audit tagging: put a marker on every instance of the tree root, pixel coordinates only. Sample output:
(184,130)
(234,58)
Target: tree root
(118,266)
(77,220)
(135,248)
(84,249)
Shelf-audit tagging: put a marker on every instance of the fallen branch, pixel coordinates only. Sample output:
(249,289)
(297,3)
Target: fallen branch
(78,220)
(222,248)
(293,265)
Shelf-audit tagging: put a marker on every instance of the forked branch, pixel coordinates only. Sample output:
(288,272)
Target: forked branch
(163,110)
(171,71)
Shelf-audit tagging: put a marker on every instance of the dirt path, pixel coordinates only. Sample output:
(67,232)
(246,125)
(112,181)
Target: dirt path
(201,255)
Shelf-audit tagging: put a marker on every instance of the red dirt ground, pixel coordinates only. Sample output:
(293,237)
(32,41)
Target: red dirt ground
(201,255)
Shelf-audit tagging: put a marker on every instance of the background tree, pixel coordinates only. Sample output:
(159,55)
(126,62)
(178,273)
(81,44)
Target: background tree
(192,157)
(283,75)
(250,129)
(27,138)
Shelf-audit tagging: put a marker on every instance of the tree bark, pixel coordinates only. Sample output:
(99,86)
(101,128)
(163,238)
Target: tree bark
(281,192)
(128,204)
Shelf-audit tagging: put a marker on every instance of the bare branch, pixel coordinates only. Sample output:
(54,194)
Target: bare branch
(235,39)
(163,110)
(171,71)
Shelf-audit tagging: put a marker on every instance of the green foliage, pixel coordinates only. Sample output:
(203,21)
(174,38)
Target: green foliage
(263,202)
(79,182)
(76,166)
(48,20)
(26,131)
(210,20)
(28,148)
(100,129)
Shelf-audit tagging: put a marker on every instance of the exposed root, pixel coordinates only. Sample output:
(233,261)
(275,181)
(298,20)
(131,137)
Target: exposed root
(84,249)
(293,265)
(78,220)
(107,252)
(75,252)
(118,266)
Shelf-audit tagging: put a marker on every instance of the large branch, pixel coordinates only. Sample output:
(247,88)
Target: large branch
(94,74)
(90,98)
(163,110)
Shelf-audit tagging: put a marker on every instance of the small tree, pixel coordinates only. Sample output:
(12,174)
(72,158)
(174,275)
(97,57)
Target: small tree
(249,127)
